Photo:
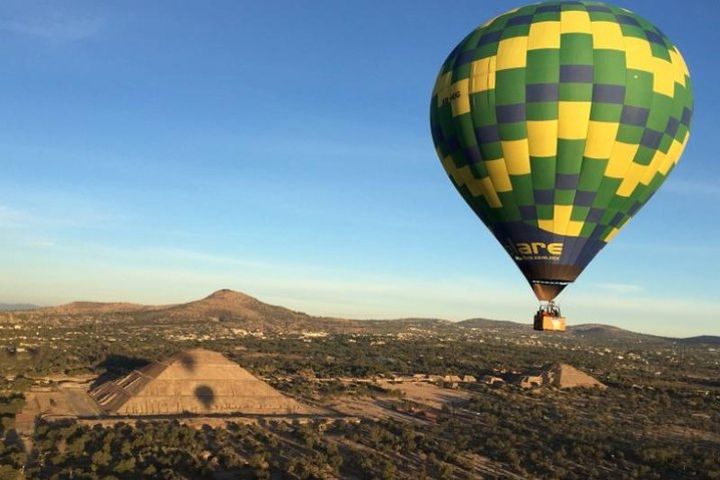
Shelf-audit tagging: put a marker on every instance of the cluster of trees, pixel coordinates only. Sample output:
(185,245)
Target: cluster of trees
(621,434)
(390,447)
(12,450)
(163,449)
(533,438)
(170,450)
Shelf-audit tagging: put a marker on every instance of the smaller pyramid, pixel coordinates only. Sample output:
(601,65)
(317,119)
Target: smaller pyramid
(196,381)
(562,375)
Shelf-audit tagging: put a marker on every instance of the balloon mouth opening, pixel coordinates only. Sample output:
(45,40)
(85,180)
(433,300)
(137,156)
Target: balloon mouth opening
(547,290)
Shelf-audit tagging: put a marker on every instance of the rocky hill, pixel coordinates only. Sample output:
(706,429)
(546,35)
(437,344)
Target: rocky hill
(228,306)
(248,312)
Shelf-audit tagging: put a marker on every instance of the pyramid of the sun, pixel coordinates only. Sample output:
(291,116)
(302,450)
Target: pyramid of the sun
(562,375)
(195,381)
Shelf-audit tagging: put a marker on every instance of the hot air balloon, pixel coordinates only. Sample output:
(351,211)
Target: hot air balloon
(557,122)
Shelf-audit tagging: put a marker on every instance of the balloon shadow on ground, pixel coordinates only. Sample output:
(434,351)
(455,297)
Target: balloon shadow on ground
(187,361)
(205,395)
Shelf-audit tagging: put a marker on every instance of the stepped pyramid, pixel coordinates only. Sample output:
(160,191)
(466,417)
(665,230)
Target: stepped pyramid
(194,381)
(562,375)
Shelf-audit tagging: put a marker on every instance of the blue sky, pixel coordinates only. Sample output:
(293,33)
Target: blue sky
(157,151)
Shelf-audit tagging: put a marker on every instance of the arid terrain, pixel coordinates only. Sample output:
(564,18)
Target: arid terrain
(409,398)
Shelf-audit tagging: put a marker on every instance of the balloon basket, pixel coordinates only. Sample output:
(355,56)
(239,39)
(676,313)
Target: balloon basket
(548,318)
(548,323)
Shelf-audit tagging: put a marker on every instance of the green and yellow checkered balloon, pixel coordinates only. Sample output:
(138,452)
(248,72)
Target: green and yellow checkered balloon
(556,122)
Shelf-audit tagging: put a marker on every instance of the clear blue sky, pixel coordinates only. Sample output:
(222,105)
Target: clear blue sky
(157,151)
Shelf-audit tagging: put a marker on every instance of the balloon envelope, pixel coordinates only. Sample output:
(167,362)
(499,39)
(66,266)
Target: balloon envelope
(557,122)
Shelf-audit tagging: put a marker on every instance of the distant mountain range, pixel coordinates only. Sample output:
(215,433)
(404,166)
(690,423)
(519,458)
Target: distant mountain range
(228,306)
(244,311)
(701,340)
(14,307)
(592,331)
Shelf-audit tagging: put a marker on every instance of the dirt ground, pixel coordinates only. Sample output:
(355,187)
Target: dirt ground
(378,407)
(57,401)
(428,394)
(363,407)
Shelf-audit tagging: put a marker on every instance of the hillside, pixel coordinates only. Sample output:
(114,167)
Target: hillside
(700,340)
(246,312)
(227,306)
(498,324)
(91,308)
(240,310)
(611,334)
(591,332)
(14,307)
(399,324)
